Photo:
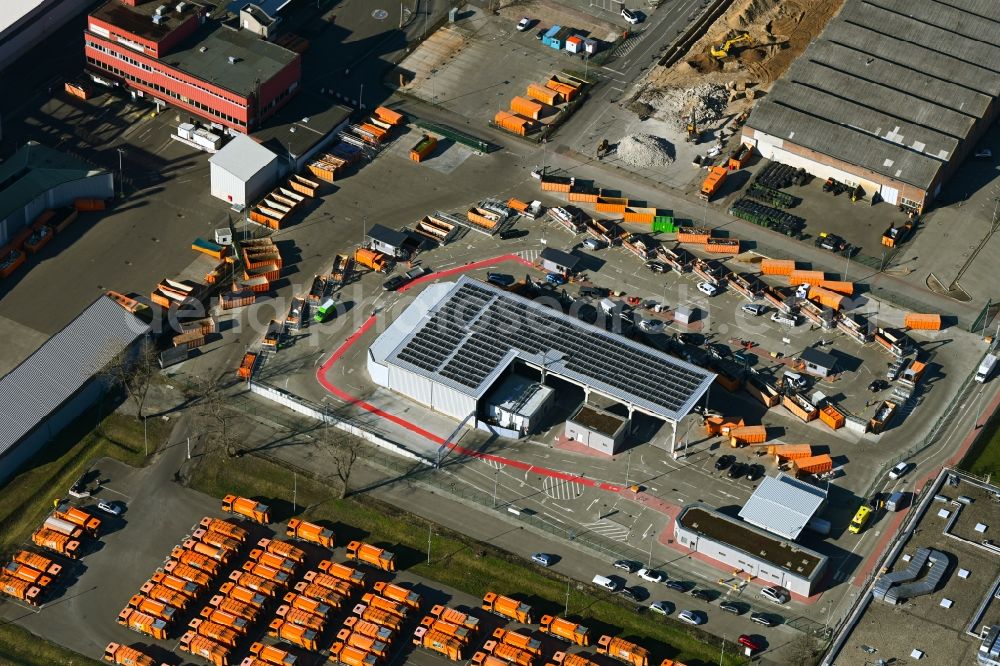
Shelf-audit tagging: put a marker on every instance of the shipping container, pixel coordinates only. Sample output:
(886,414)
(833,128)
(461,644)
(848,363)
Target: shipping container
(611,204)
(831,416)
(639,215)
(389,116)
(777,266)
(544,95)
(423,148)
(797,277)
(846,288)
(825,297)
(527,107)
(514,123)
(89,204)
(926,322)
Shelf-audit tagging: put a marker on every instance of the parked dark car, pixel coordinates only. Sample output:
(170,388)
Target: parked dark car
(724,461)
(634,593)
(507,234)
(732,607)
(754,472)
(500,279)
(764,619)
(704,595)
(678,585)
(831,242)
(737,470)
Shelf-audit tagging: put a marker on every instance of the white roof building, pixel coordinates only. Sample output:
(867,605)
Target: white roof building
(783,505)
(242,171)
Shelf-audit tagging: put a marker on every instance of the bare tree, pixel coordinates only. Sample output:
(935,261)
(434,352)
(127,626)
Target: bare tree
(343,448)
(214,406)
(133,371)
(803,651)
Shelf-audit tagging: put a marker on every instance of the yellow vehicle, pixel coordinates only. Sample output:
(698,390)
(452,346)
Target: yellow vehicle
(860,519)
(723,51)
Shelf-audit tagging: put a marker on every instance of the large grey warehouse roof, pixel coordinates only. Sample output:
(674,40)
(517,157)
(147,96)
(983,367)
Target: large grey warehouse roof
(60,367)
(783,505)
(891,86)
(243,157)
(475,330)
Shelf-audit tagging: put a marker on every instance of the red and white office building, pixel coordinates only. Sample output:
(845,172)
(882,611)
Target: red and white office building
(175,54)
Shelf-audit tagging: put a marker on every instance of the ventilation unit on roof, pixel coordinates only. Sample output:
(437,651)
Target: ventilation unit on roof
(233,60)
(202,49)
(181,6)
(158,19)
(161,10)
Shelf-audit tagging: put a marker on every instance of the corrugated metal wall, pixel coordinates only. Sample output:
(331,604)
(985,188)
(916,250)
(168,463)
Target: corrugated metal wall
(377,371)
(411,385)
(100,186)
(451,402)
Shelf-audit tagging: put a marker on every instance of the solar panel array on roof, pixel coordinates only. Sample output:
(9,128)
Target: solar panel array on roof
(467,337)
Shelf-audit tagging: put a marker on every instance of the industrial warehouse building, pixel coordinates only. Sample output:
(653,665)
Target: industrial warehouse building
(892,96)
(242,171)
(174,54)
(783,505)
(36,178)
(456,341)
(58,382)
(769,559)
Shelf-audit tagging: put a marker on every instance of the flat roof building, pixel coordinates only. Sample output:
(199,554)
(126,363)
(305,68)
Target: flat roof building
(768,558)
(242,171)
(174,54)
(597,428)
(783,505)
(25,23)
(892,96)
(457,342)
(519,404)
(818,362)
(558,261)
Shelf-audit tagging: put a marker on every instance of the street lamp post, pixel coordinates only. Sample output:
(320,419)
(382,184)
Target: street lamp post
(121,172)
(496,481)
(145,442)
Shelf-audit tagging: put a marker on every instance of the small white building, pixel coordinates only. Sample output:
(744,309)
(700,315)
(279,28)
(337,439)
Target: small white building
(519,404)
(242,171)
(597,428)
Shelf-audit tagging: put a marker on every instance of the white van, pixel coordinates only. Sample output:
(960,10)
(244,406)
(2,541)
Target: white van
(795,380)
(606,583)
(785,319)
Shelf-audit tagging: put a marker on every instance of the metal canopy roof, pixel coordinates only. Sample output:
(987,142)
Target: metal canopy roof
(783,505)
(890,86)
(243,157)
(60,367)
(476,330)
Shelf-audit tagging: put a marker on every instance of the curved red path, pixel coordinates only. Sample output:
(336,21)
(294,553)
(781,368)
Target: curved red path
(414,428)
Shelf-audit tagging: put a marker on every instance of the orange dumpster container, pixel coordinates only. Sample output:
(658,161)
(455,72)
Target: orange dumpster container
(514,123)
(790,451)
(611,204)
(543,94)
(722,245)
(527,107)
(796,278)
(831,416)
(693,235)
(389,116)
(924,322)
(830,299)
(814,465)
(846,288)
(777,266)
(746,435)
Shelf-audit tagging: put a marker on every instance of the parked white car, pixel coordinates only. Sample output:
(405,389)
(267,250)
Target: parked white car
(651,575)
(691,617)
(708,288)
(899,470)
(777,595)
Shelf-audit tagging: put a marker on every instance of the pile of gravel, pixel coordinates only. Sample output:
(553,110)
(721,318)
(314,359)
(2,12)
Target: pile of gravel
(673,105)
(645,151)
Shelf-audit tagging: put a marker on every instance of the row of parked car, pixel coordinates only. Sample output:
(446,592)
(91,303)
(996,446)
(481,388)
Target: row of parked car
(739,470)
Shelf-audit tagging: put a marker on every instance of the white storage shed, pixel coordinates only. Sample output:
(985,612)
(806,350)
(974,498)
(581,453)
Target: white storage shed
(242,171)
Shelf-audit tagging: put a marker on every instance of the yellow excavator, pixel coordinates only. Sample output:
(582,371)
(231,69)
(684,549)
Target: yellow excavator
(723,51)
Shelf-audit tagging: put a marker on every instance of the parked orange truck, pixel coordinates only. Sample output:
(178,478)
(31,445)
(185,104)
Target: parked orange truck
(247,508)
(54,541)
(144,624)
(443,644)
(196,560)
(294,634)
(188,573)
(509,653)
(175,583)
(456,617)
(564,659)
(379,617)
(373,555)
(243,594)
(343,572)
(274,561)
(486,659)
(165,595)
(518,640)
(576,634)
(304,603)
(341,653)
(20,589)
(508,608)
(366,643)
(90,524)
(234,622)
(359,626)
(217,539)
(322,594)
(230,605)
(457,631)
(207,649)
(26,573)
(64,527)
(39,562)
(216,553)
(713,182)
(376,261)
(268,573)
(311,532)
(398,593)
(144,604)
(256,583)
(212,630)
(393,607)
(224,527)
(116,653)
(272,655)
(301,618)
(283,549)
(623,650)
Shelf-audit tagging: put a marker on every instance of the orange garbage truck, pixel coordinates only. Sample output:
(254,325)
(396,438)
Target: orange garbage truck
(151,626)
(623,650)
(90,524)
(116,653)
(511,609)
(301,618)
(341,653)
(152,607)
(268,588)
(206,648)
(509,653)
(283,549)
(214,631)
(217,539)
(518,640)
(438,642)
(375,601)
(243,594)
(398,593)
(39,562)
(577,634)
(311,532)
(165,595)
(565,659)
(373,555)
(238,624)
(713,182)
(343,572)
(277,576)
(20,589)
(224,527)
(293,634)
(323,595)
(362,642)
(248,508)
(457,631)
(196,560)
(456,617)
(188,573)
(379,617)
(56,542)
(238,608)
(272,655)
(278,562)
(177,584)
(27,574)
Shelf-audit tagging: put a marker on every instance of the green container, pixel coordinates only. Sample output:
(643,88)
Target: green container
(664,223)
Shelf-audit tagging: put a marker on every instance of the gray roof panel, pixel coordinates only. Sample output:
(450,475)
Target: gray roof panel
(243,157)
(60,367)
(782,505)
(476,330)
(943,16)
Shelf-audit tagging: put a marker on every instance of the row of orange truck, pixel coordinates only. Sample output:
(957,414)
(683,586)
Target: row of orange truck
(63,532)
(366,637)
(28,576)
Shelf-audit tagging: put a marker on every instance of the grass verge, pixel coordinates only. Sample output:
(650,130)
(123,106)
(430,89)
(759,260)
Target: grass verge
(20,647)
(27,498)
(984,457)
(456,560)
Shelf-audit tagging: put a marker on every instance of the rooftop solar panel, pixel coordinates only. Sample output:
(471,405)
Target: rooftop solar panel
(465,339)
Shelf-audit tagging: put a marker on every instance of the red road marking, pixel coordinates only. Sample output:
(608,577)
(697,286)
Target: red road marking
(412,427)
